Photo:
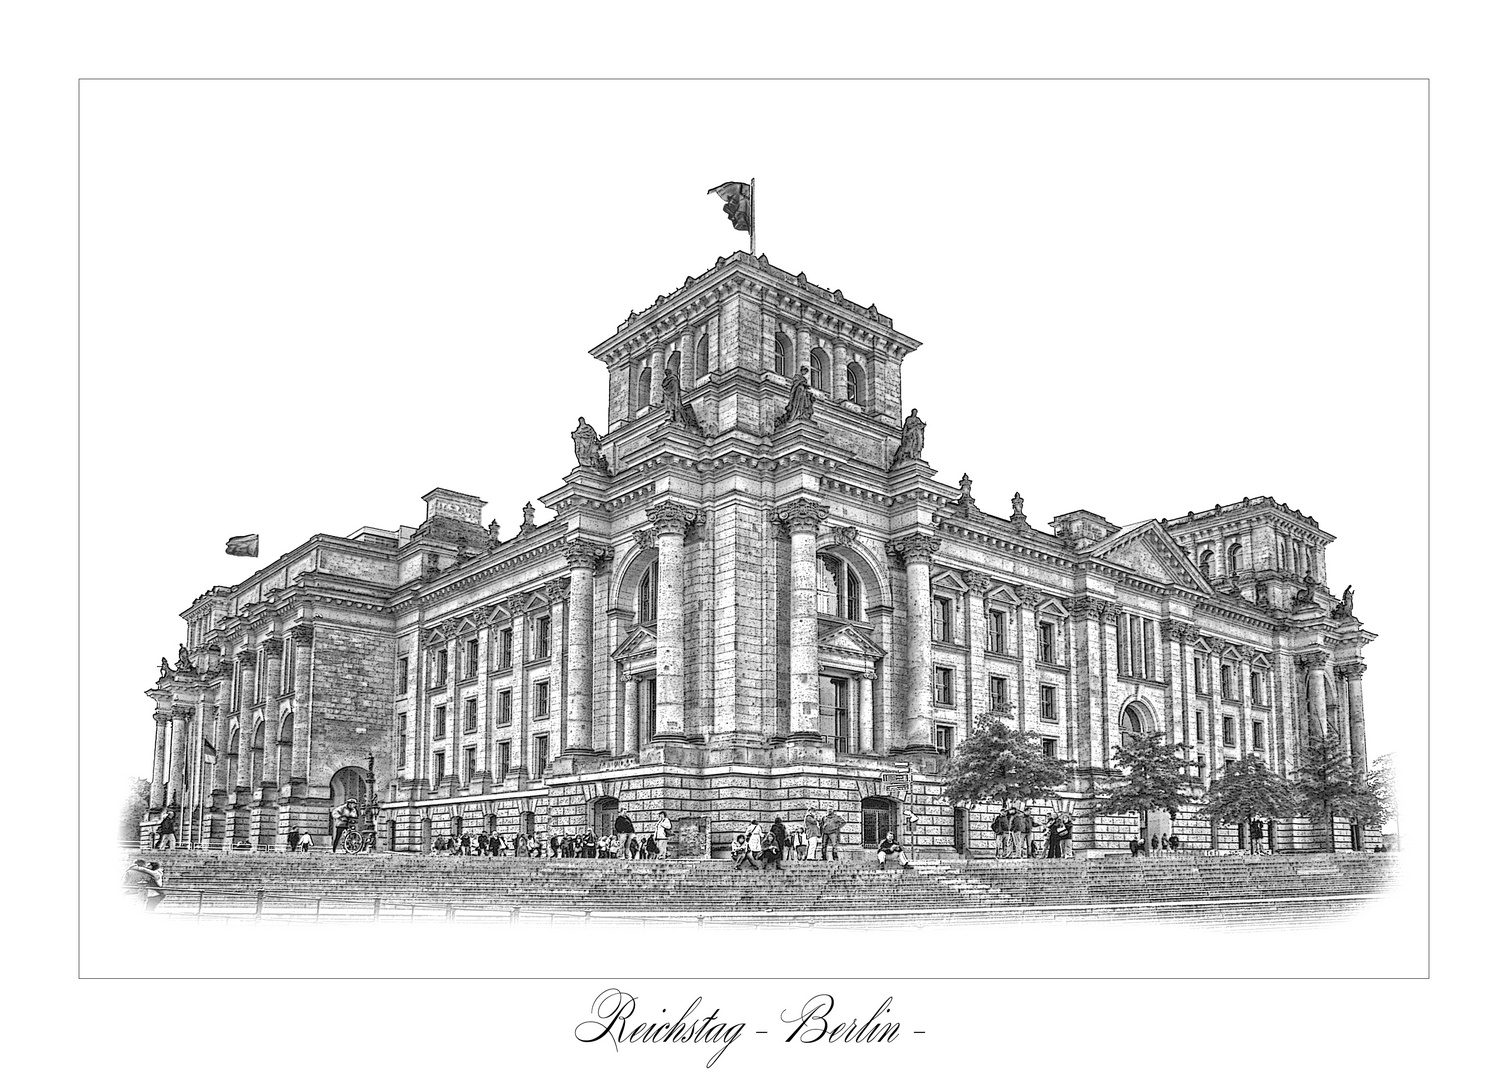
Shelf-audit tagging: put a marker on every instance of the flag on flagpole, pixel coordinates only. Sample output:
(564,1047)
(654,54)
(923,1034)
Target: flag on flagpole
(738,203)
(243,545)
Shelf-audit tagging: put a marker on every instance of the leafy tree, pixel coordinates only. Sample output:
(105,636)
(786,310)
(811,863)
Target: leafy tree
(1326,785)
(1247,790)
(999,763)
(1151,776)
(1371,801)
(134,810)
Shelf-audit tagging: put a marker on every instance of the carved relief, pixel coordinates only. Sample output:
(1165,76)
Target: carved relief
(671,517)
(801,514)
(583,553)
(910,549)
(303,634)
(976,582)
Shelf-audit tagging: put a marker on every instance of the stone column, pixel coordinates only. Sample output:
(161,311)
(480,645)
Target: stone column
(656,374)
(183,716)
(670,520)
(978,697)
(1314,678)
(1352,673)
(223,723)
(582,558)
(866,712)
(803,357)
(688,359)
(247,659)
(801,519)
(303,693)
(160,716)
(916,552)
(273,649)
(630,742)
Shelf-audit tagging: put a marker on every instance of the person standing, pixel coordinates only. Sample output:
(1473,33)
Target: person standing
(1013,833)
(778,835)
(1027,825)
(662,835)
(1054,839)
(832,831)
(811,826)
(167,830)
(623,828)
(756,841)
(999,827)
(1065,835)
(341,819)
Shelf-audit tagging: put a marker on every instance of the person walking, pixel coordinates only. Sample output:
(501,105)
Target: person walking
(778,838)
(811,828)
(662,835)
(832,831)
(167,830)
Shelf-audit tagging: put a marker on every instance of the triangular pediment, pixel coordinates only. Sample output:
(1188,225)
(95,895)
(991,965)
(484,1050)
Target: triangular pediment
(1147,549)
(640,640)
(849,640)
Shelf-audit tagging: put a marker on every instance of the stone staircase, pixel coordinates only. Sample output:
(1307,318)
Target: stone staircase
(324,885)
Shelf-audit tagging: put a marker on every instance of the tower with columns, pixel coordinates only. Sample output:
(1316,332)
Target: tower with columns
(753,597)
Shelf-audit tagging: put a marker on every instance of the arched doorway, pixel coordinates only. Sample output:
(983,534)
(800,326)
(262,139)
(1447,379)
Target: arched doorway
(877,816)
(491,824)
(528,822)
(426,836)
(604,813)
(348,783)
(961,829)
(1137,720)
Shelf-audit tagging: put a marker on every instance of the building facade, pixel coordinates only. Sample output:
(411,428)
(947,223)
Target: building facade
(754,596)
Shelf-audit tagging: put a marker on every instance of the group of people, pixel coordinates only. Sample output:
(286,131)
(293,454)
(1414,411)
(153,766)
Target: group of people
(769,848)
(622,843)
(1014,829)
(146,878)
(1167,844)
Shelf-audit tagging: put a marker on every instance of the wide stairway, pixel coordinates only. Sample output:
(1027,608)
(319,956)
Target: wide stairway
(328,886)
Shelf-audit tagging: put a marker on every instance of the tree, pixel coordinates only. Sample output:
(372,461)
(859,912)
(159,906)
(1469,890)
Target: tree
(999,763)
(1371,801)
(134,810)
(1326,785)
(1247,790)
(1152,776)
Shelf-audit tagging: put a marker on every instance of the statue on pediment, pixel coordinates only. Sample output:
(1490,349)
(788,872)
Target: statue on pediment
(1306,594)
(184,663)
(588,446)
(913,437)
(680,413)
(1343,610)
(164,670)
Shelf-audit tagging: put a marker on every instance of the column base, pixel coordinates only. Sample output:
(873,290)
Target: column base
(804,747)
(581,760)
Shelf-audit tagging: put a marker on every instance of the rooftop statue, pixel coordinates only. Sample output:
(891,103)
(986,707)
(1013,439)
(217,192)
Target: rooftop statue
(913,436)
(588,446)
(800,404)
(680,412)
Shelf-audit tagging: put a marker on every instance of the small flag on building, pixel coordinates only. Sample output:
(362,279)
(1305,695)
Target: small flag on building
(738,204)
(243,545)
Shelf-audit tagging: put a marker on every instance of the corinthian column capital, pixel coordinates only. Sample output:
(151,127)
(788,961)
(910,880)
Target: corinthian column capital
(671,517)
(915,548)
(801,514)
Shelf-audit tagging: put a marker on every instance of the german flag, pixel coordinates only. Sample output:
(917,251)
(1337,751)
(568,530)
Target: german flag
(738,203)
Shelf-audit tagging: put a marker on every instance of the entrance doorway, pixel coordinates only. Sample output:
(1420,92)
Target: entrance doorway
(961,829)
(878,817)
(604,813)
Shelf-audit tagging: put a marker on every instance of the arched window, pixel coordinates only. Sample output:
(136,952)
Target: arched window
(1135,720)
(821,371)
(702,353)
(853,388)
(1207,564)
(647,606)
(839,591)
(285,750)
(258,753)
(783,353)
(1233,558)
(641,399)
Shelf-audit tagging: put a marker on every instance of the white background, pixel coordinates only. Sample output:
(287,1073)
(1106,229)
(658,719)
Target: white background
(1092,267)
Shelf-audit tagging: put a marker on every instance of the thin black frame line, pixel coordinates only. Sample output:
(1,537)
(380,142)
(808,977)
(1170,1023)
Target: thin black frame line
(1428,477)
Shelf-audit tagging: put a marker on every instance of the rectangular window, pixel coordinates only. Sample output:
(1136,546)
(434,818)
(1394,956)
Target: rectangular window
(999,700)
(994,639)
(1228,730)
(542,698)
(473,657)
(1049,703)
(541,637)
(402,739)
(1201,680)
(649,707)
(1046,643)
(504,758)
(945,739)
(402,675)
(1050,748)
(1204,771)
(235,687)
(942,686)
(470,714)
(439,767)
(541,754)
(504,707)
(1227,688)
(505,650)
(468,765)
(1199,726)
(942,619)
(439,721)
(442,667)
(836,712)
(1258,744)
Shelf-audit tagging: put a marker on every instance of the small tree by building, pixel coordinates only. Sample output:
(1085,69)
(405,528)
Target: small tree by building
(134,810)
(998,763)
(1325,785)
(1151,775)
(1370,803)
(1247,790)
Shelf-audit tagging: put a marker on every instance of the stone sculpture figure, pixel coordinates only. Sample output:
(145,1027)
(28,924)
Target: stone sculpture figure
(799,405)
(680,412)
(1306,594)
(588,446)
(1342,610)
(913,436)
(528,517)
(165,669)
(183,657)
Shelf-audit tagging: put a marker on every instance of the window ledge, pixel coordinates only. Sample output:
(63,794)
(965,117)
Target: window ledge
(540,661)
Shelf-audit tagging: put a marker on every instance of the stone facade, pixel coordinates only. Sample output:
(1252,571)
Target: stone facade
(754,597)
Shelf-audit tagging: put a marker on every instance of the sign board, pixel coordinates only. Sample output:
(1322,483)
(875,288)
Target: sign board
(897,785)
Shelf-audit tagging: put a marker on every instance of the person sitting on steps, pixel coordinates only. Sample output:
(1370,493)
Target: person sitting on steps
(889,849)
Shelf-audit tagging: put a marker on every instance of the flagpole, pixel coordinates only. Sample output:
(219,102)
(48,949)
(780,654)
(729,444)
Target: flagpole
(753,216)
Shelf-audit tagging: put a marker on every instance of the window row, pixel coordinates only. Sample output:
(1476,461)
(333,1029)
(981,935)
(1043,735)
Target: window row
(469,655)
(504,761)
